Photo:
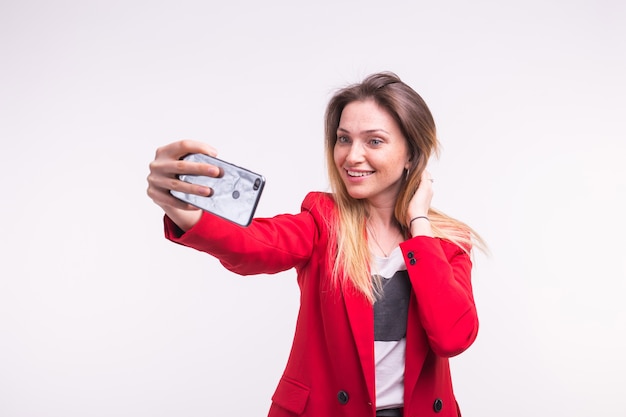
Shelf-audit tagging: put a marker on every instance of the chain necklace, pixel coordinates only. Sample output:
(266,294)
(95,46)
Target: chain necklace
(373,235)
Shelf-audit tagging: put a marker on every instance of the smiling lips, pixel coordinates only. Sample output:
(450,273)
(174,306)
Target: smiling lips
(359,173)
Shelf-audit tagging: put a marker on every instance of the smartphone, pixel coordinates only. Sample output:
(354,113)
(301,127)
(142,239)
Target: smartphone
(235,196)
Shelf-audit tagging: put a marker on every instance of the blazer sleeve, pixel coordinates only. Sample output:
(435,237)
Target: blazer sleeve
(267,245)
(440,274)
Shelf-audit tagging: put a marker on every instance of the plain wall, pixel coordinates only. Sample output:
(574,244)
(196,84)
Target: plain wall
(101,316)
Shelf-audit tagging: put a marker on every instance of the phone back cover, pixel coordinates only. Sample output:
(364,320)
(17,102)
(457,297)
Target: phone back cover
(235,195)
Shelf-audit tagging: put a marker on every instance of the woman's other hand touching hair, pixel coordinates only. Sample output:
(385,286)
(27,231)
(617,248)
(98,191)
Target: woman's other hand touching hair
(419,207)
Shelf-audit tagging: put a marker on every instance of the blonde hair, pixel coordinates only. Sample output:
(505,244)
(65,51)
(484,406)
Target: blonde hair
(352,257)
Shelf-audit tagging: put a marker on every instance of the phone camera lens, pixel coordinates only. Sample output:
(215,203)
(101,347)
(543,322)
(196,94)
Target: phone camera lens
(257,184)
(235,194)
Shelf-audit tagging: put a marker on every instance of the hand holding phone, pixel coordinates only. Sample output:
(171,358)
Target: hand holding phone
(236,193)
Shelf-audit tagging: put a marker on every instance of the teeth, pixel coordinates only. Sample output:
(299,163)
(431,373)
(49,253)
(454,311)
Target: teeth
(359,173)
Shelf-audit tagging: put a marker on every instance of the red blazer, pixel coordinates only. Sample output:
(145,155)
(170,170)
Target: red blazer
(330,370)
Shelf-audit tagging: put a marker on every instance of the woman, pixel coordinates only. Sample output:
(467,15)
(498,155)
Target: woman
(385,286)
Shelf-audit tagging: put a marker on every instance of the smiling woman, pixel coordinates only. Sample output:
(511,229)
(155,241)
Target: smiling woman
(402,137)
(385,280)
(371,153)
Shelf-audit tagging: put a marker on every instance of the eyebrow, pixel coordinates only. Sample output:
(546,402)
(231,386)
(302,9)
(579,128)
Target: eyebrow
(341,129)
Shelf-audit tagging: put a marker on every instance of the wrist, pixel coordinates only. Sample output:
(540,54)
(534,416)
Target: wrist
(418,218)
(184,219)
(420,226)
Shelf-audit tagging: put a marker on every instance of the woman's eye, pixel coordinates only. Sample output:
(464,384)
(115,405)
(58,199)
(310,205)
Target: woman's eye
(342,139)
(376,141)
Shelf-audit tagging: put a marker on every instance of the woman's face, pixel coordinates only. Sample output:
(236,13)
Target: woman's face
(371,153)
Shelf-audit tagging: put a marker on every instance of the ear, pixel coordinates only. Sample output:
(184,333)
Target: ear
(409,163)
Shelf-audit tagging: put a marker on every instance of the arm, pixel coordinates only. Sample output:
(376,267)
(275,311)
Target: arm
(440,274)
(268,245)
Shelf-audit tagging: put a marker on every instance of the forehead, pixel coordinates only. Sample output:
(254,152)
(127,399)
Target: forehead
(366,115)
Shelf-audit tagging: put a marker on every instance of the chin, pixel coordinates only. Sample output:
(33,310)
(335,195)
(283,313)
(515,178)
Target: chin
(357,195)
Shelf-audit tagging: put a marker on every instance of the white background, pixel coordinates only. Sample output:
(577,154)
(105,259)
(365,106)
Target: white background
(101,316)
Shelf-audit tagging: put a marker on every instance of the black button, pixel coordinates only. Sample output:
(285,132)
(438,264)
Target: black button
(412,261)
(342,396)
(437,405)
(410,255)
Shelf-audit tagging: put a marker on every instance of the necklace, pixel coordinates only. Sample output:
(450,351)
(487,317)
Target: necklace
(385,253)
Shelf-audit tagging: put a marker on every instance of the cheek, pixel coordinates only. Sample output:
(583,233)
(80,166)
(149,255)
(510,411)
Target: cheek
(338,157)
(396,169)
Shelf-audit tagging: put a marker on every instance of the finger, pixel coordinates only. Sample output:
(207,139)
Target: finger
(169,200)
(173,167)
(426,179)
(179,149)
(196,168)
(163,184)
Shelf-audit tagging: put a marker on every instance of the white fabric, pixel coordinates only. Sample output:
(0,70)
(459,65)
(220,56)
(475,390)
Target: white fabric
(389,356)
(389,373)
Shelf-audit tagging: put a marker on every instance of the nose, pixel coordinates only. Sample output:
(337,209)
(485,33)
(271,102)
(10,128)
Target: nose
(355,154)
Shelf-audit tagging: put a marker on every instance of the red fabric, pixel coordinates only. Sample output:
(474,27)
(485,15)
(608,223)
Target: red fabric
(330,370)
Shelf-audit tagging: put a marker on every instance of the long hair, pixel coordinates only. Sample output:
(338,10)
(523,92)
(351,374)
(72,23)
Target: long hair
(410,112)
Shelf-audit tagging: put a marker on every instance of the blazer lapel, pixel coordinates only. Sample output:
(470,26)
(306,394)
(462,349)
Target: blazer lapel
(361,318)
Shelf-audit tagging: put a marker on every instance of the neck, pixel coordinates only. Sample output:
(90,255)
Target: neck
(381,217)
(383,230)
